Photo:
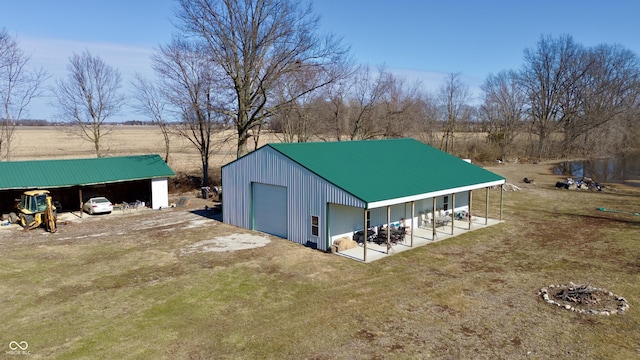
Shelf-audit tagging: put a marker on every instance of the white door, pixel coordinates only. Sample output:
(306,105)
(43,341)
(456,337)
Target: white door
(270,209)
(159,193)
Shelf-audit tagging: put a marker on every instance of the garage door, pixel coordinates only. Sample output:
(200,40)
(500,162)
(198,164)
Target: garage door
(270,209)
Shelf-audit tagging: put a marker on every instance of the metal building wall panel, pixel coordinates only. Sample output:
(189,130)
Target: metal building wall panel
(307,194)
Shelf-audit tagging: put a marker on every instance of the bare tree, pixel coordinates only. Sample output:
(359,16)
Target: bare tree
(151,103)
(454,97)
(400,110)
(18,86)
(189,83)
(608,91)
(371,104)
(503,108)
(297,119)
(89,96)
(549,78)
(333,110)
(256,43)
(428,119)
(366,96)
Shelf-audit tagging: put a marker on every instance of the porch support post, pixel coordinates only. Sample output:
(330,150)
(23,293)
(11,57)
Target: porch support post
(501,199)
(453,210)
(469,210)
(364,234)
(388,227)
(80,196)
(433,219)
(413,211)
(486,206)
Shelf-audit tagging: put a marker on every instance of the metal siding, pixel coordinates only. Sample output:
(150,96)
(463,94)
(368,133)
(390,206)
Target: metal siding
(378,216)
(344,220)
(462,200)
(307,193)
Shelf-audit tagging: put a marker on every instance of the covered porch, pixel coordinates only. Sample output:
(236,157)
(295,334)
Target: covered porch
(431,225)
(415,237)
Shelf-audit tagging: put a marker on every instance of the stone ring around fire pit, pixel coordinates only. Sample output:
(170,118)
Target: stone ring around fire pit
(584,299)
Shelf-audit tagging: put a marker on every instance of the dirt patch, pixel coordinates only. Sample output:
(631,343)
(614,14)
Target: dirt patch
(233,242)
(129,224)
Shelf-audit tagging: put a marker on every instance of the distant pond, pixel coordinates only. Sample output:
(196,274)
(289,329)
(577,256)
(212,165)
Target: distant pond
(622,170)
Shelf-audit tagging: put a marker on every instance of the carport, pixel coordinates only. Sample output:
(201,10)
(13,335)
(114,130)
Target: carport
(72,181)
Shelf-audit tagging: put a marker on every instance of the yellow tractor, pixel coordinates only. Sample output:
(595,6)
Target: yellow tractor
(35,209)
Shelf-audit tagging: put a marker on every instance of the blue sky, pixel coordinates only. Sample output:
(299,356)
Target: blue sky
(424,40)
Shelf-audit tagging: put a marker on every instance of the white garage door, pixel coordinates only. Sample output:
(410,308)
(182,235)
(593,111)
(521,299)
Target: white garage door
(270,209)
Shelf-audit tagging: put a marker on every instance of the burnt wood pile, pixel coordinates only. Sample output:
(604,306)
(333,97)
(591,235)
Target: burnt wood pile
(578,295)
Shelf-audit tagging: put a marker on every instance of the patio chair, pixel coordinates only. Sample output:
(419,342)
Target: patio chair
(426,219)
(405,224)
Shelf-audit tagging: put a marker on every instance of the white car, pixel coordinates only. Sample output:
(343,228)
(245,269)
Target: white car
(98,205)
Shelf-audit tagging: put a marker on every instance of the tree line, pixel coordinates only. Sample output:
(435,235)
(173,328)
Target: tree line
(259,66)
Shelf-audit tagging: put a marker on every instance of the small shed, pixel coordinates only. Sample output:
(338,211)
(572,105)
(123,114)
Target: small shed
(71,181)
(314,193)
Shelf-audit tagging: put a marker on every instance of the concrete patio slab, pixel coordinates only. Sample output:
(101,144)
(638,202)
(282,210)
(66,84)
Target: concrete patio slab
(421,236)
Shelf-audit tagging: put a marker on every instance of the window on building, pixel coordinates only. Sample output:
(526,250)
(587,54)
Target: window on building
(368,219)
(445,203)
(315,225)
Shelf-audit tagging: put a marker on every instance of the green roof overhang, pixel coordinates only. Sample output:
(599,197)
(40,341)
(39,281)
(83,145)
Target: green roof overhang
(81,172)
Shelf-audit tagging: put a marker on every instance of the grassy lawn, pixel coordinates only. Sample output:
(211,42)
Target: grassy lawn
(474,296)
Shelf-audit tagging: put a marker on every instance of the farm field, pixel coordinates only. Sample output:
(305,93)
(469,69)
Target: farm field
(58,142)
(154,284)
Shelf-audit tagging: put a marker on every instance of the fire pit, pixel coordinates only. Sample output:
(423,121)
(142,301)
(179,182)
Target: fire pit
(584,299)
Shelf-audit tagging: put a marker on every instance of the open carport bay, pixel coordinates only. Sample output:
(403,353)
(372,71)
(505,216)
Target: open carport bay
(70,198)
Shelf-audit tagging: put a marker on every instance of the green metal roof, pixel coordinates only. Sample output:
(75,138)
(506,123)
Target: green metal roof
(71,172)
(378,170)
